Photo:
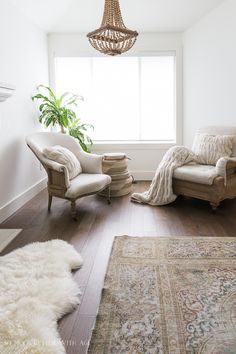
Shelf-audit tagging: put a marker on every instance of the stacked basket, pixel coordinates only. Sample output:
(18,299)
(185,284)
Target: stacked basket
(116,166)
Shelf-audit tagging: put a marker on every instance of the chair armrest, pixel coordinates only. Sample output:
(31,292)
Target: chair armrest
(231,163)
(91,163)
(225,165)
(51,166)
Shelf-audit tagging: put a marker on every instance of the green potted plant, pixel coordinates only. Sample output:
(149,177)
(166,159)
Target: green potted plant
(58,112)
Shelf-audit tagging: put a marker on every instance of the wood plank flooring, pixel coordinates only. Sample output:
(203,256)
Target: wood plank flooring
(93,234)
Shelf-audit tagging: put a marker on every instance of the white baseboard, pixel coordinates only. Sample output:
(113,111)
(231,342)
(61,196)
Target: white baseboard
(11,207)
(143,175)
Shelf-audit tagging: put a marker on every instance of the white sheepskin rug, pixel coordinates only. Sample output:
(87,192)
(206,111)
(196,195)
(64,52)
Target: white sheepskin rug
(36,289)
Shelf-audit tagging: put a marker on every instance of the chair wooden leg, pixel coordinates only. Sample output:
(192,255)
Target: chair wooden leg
(73,210)
(109,195)
(49,202)
(214,206)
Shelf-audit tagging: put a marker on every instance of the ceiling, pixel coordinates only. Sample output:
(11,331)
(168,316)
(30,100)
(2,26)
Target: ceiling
(57,16)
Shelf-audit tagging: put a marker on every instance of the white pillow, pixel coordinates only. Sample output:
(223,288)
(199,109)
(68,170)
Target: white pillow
(65,157)
(210,148)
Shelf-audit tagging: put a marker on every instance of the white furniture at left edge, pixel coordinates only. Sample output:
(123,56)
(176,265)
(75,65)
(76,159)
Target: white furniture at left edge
(6,91)
(6,236)
(90,181)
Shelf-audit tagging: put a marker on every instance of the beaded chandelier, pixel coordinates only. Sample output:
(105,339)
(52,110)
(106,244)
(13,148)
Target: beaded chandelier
(112,37)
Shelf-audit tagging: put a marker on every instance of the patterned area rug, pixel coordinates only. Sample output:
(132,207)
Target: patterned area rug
(168,296)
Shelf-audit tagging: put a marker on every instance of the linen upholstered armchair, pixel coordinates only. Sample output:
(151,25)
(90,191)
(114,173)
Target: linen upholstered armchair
(212,183)
(90,181)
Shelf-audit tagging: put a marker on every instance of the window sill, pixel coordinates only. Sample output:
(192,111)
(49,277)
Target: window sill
(132,145)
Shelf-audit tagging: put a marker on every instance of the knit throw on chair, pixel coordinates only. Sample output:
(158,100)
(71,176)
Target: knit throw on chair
(161,191)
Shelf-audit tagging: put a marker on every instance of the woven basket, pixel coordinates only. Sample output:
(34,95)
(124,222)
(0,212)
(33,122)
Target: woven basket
(116,166)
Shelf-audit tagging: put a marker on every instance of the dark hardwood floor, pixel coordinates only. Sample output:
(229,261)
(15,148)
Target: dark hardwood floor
(93,234)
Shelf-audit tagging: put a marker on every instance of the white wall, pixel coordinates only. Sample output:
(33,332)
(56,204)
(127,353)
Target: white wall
(210,71)
(23,63)
(144,157)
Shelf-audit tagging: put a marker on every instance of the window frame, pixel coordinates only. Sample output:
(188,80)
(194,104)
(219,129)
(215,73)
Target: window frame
(101,145)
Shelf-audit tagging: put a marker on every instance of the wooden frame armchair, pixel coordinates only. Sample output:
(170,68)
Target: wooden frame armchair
(90,181)
(210,183)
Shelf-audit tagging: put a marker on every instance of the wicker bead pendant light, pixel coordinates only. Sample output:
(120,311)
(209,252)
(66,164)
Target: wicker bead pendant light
(112,37)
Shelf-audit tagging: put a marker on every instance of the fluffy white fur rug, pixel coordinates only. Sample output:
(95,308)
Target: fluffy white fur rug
(36,289)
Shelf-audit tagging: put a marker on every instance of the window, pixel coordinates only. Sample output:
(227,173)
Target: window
(125,98)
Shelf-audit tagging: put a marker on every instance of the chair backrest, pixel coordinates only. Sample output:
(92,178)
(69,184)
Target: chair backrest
(220,130)
(38,141)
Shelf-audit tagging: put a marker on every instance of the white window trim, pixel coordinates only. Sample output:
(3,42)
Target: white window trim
(132,145)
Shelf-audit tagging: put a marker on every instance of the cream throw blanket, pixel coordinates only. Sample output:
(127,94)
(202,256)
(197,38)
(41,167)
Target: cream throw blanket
(160,191)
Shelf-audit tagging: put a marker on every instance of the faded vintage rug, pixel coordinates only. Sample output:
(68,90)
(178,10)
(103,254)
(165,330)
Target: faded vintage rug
(169,296)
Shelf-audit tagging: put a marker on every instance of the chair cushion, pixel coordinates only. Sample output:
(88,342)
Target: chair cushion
(65,157)
(87,184)
(203,174)
(210,148)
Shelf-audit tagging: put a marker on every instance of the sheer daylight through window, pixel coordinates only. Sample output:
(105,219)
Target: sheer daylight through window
(125,98)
